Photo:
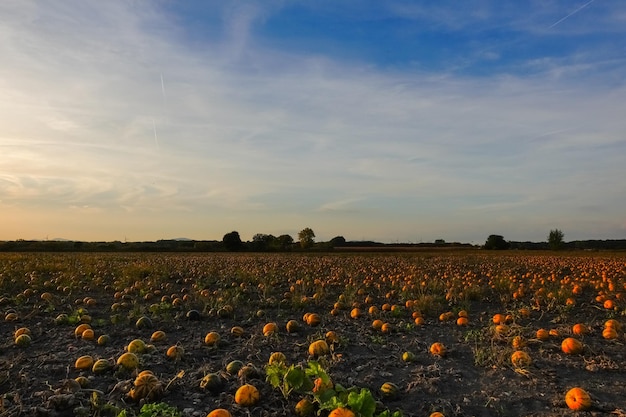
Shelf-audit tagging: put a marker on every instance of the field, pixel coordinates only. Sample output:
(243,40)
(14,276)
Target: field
(202,324)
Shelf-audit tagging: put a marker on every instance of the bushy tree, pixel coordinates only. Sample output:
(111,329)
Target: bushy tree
(496,242)
(555,239)
(306,237)
(232,241)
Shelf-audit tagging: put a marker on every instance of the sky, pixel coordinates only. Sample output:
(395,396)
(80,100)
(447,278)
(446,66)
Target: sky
(393,121)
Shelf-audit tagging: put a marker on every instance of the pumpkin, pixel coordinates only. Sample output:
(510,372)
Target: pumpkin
(499,319)
(247,395)
(438,349)
(237,331)
(331,337)
(571,346)
(146,386)
(578,399)
(304,408)
(219,412)
(11,317)
(385,328)
(355,313)
(319,348)
(462,321)
(408,356)
(518,342)
(88,334)
(612,323)
(502,329)
(436,414)
(419,321)
(313,319)
(84,362)
(609,333)
(248,372)
(128,361)
(389,390)
(136,346)
(543,334)
(212,382)
(143,322)
(23,340)
(104,339)
(158,336)
(341,412)
(100,366)
(212,338)
(270,329)
(580,329)
(233,367)
(319,386)
(78,332)
(83,381)
(292,326)
(277,357)
(175,352)
(377,324)
(21,331)
(520,359)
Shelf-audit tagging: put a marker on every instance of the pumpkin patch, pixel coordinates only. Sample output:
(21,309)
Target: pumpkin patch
(331,334)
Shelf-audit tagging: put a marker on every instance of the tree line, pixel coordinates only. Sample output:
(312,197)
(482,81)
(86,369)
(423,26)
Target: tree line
(261,242)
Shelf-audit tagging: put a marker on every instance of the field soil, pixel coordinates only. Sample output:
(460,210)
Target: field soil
(474,378)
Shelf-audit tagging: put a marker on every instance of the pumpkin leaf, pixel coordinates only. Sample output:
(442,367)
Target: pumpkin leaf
(362,402)
(295,377)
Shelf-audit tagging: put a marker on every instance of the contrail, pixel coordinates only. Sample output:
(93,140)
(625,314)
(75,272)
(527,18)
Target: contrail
(156,139)
(572,13)
(163,89)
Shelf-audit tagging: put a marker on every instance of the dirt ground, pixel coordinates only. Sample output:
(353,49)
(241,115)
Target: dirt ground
(475,378)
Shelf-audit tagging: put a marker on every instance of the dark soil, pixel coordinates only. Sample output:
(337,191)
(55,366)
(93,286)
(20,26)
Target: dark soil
(475,378)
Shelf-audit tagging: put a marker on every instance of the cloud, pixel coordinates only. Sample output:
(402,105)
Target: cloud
(249,127)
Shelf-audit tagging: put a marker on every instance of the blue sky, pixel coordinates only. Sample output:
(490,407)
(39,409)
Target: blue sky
(392,121)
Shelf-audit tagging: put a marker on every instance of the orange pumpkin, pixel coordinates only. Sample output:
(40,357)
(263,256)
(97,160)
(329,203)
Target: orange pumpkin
(609,333)
(128,361)
(341,412)
(520,359)
(543,334)
(313,319)
(219,412)
(438,349)
(319,348)
(578,399)
(146,386)
(175,352)
(247,395)
(571,346)
(212,338)
(84,362)
(580,329)
(292,326)
(270,329)
(304,408)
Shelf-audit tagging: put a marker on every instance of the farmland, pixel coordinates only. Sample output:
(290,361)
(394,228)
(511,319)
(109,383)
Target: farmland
(202,325)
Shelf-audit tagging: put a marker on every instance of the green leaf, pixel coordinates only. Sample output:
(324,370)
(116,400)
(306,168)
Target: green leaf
(295,377)
(363,403)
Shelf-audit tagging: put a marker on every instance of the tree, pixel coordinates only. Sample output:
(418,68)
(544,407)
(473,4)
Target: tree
(555,239)
(337,241)
(285,241)
(496,242)
(306,237)
(232,241)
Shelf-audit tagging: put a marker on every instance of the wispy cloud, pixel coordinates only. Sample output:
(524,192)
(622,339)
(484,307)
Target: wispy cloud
(108,106)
